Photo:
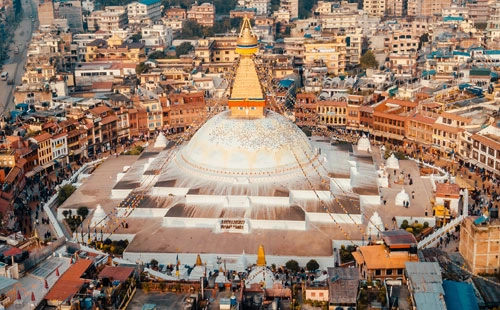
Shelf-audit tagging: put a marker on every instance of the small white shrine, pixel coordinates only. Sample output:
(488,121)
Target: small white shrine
(402,197)
(392,162)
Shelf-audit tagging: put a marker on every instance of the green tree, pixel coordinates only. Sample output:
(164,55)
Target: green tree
(82,211)
(140,68)
(423,39)
(292,265)
(191,29)
(136,38)
(368,60)
(222,7)
(157,55)
(64,193)
(183,49)
(312,265)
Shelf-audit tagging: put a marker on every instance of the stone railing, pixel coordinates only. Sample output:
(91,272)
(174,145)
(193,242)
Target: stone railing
(433,239)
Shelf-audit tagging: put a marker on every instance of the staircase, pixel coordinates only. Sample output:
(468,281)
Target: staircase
(433,239)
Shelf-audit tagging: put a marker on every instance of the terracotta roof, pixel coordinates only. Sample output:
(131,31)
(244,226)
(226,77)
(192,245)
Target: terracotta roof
(332,103)
(487,141)
(456,117)
(42,137)
(447,128)
(419,118)
(398,238)
(12,175)
(102,85)
(100,109)
(447,189)
(12,252)
(116,273)
(70,282)
(404,103)
(21,162)
(376,257)
(108,119)
(59,135)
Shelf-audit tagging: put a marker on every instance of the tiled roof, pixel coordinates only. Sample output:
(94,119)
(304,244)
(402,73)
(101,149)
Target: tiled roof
(108,119)
(419,118)
(447,189)
(70,282)
(376,257)
(42,137)
(447,128)
(116,273)
(100,109)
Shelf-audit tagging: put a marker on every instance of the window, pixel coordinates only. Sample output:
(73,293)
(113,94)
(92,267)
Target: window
(378,272)
(388,272)
(400,271)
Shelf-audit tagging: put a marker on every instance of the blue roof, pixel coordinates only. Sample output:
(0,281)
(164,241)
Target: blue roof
(459,295)
(453,18)
(458,53)
(429,72)
(492,52)
(286,83)
(307,35)
(149,2)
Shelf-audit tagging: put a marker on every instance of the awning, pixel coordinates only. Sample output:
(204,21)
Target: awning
(48,165)
(35,170)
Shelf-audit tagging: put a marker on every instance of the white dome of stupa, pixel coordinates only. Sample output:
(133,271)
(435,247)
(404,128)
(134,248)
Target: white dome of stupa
(237,147)
(375,224)
(364,144)
(99,217)
(401,197)
(161,141)
(392,162)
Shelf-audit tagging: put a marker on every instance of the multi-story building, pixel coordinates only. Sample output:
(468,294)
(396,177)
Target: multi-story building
(427,8)
(446,134)
(387,261)
(176,14)
(480,244)
(261,7)
(486,149)
(112,18)
(404,43)
(156,37)
(478,10)
(46,13)
(144,12)
(395,8)
(59,146)
(138,118)
(182,110)
(374,7)
(305,109)
(420,129)
(403,66)
(331,54)
(332,113)
(104,135)
(291,6)
(44,150)
(493,27)
(114,49)
(72,12)
(203,14)
(390,117)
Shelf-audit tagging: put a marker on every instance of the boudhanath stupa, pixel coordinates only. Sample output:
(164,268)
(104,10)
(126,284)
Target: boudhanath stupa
(248,176)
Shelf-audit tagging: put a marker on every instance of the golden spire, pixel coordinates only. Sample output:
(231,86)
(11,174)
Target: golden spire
(198,261)
(246,45)
(261,256)
(247,98)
